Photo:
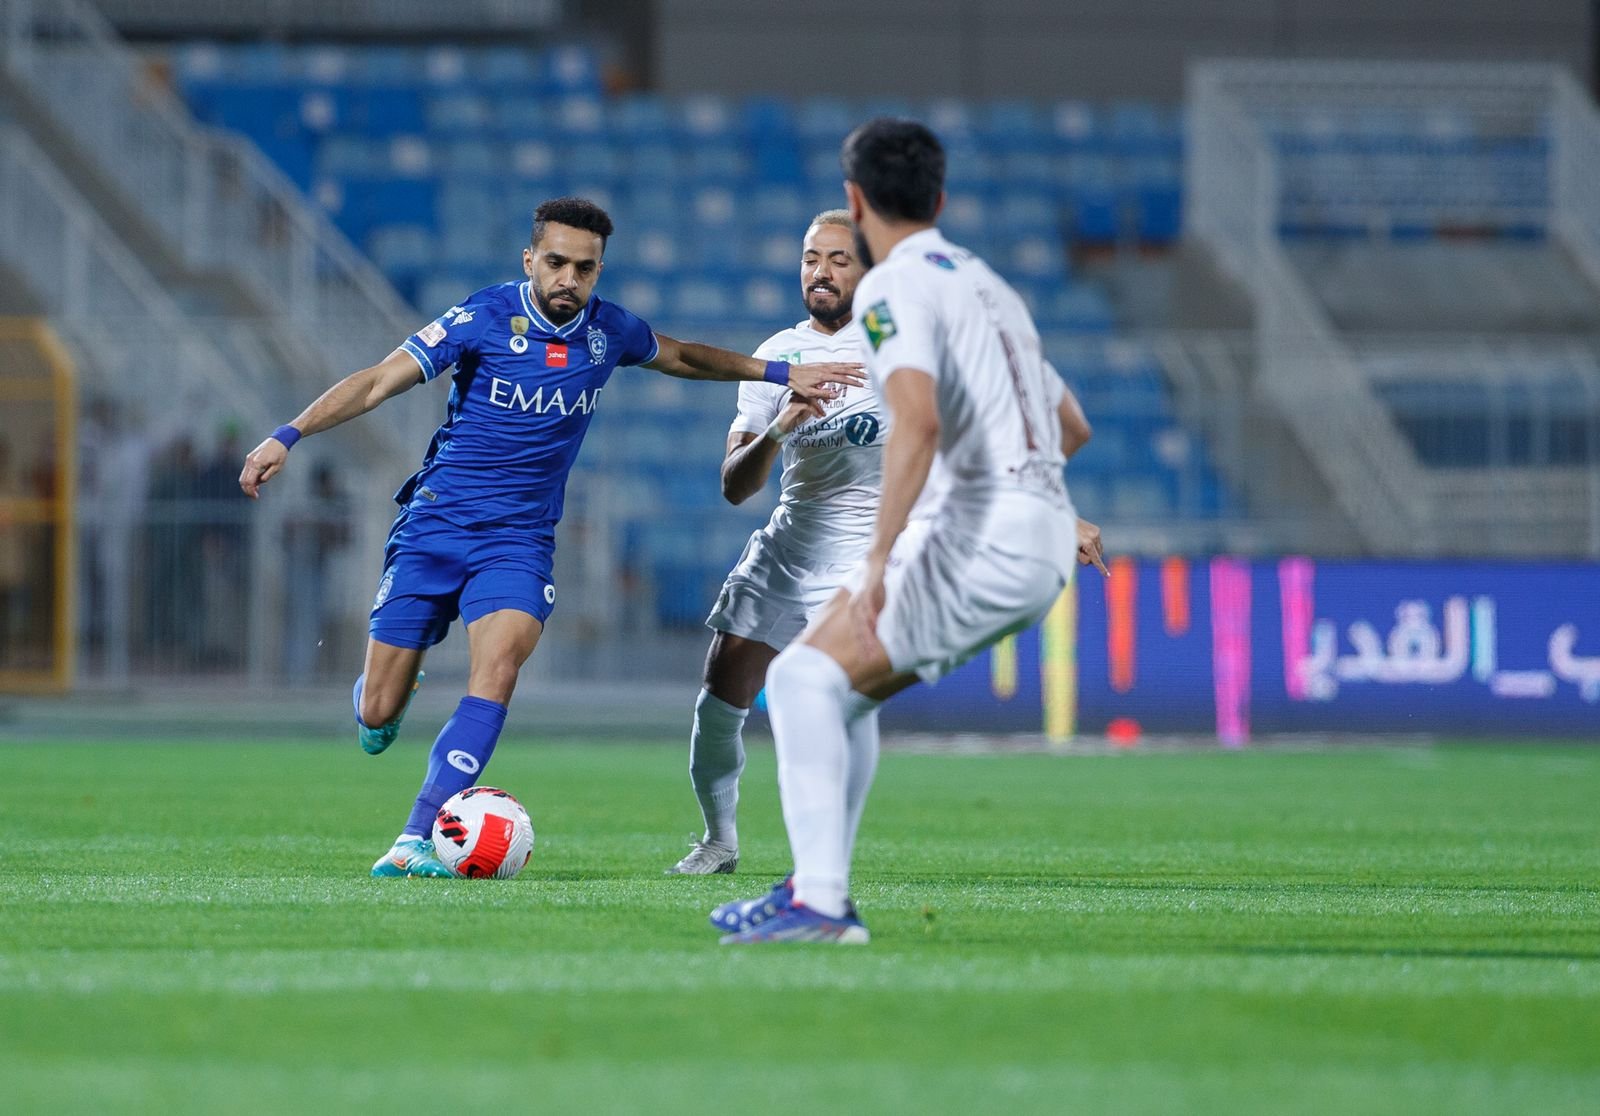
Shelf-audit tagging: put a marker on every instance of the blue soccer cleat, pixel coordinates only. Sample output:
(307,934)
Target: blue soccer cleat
(375,740)
(410,856)
(743,914)
(799,923)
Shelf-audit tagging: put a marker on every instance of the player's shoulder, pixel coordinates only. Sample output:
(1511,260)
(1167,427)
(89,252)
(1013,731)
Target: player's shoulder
(784,343)
(496,295)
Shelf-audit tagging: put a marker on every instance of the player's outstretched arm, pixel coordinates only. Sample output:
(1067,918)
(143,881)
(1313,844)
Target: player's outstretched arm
(691,360)
(749,459)
(354,395)
(1075,428)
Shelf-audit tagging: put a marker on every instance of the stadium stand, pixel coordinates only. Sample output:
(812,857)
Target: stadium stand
(431,159)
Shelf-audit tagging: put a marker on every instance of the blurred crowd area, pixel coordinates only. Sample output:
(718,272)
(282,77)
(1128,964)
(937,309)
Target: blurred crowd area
(169,550)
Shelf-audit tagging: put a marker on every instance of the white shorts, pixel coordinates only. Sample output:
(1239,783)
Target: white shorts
(948,596)
(772,595)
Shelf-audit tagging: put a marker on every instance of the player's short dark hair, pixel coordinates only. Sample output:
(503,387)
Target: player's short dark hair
(899,165)
(579,213)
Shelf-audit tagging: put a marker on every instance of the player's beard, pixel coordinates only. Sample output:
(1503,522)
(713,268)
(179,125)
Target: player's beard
(831,316)
(863,253)
(556,317)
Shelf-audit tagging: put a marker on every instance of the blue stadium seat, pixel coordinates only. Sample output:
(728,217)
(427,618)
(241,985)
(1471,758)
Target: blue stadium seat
(971,167)
(570,69)
(458,112)
(953,120)
(1077,306)
(1027,213)
(505,66)
(640,117)
(706,117)
(654,163)
(825,121)
(1014,125)
(1076,127)
(1034,256)
(383,111)
(717,163)
(518,117)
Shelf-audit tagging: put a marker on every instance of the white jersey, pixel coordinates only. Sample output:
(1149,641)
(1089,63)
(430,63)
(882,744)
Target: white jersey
(997,474)
(832,466)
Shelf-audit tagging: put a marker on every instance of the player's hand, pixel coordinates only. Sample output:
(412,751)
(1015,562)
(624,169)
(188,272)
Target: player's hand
(261,465)
(1090,552)
(866,603)
(825,381)
(797,410)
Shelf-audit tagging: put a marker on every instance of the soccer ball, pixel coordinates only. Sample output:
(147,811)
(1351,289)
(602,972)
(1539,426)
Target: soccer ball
(481,832)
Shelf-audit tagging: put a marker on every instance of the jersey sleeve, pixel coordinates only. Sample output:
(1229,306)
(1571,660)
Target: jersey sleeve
(759,404)
(1055,386)
(449,337)
(902,331)
(760,401)
(639,344)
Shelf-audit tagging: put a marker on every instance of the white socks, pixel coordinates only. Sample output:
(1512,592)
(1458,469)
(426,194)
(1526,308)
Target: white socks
(861,715)
(716,760)
(824,769)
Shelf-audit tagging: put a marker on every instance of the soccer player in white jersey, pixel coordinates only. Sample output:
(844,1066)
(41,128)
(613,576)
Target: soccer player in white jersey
(819,532)
(975,535)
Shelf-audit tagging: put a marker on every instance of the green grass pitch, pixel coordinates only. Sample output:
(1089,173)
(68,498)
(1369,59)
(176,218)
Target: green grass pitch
(189,928)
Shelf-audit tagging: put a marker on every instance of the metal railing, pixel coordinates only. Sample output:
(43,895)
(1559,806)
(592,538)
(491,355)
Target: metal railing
(1321,393)
(219,204)
(136,344)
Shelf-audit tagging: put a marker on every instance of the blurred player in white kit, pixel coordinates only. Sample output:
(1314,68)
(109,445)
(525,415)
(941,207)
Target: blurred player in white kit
(818,534)
(975,535)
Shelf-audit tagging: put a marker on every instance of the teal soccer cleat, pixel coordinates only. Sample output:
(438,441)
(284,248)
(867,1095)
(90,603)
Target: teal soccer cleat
(410,856)
(375,740)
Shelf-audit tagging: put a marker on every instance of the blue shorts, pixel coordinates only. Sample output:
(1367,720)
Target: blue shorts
(435,570)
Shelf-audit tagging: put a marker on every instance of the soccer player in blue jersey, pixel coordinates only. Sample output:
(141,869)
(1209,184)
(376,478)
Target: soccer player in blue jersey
(475,535)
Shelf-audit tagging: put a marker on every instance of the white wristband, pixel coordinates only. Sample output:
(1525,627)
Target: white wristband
(775,433)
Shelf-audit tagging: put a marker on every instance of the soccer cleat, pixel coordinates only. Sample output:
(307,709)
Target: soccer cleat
(800,923)
(744,914)
(410,856)
(707,858)
(375,740)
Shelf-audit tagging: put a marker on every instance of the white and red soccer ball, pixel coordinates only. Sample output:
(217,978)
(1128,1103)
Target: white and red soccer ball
(483,832)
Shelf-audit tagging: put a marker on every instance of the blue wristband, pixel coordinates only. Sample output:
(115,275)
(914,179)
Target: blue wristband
(287,434)
(777,372)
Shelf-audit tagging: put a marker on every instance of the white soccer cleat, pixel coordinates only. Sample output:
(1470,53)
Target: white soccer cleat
(707,858)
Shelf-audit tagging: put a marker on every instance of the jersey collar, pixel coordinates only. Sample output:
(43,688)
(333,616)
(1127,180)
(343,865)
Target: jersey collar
(525,289)
(924,240)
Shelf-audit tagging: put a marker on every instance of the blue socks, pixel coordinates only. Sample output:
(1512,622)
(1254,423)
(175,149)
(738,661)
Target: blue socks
(355,699)
(460,753)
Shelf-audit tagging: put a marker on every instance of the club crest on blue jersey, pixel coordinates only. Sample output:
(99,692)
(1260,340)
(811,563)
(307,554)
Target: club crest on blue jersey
(597,344)
(862,429)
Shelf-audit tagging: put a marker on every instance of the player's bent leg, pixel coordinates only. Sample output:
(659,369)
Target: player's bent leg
(734,671)
(384,691)
(499,643)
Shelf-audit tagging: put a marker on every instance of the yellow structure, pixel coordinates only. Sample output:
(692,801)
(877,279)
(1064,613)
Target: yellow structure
(37,483)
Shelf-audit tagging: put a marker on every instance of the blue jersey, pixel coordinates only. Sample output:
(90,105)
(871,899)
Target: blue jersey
(522,395)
